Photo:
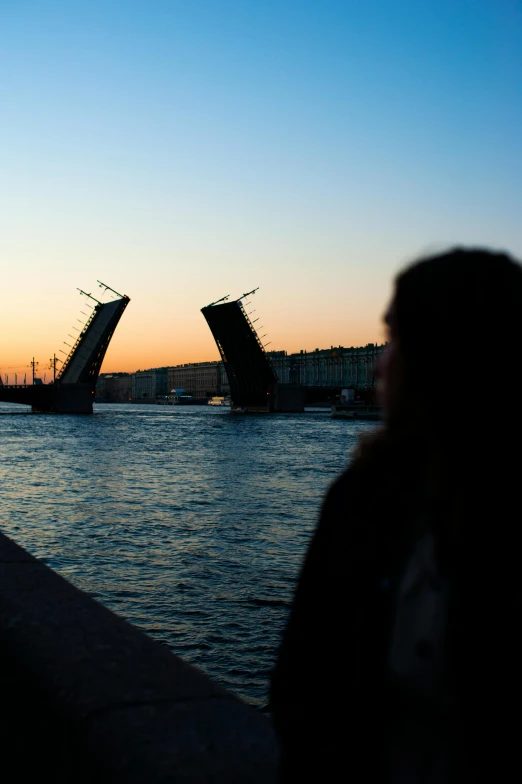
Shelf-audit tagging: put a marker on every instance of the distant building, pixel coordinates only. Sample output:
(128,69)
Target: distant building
(113,388)
(199,379)
(333,367)
(149,384)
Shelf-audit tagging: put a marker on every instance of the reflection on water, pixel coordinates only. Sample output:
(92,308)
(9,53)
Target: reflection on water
(189,521)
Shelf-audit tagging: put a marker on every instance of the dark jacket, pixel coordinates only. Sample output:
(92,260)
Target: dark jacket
(330,692)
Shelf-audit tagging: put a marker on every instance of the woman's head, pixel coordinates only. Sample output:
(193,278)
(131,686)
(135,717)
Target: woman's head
(451,381)
(455,324)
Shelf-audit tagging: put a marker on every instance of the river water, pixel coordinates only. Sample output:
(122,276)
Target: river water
(190,521)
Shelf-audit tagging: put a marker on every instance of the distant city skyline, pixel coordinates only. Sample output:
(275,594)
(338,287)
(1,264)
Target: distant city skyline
(184,151)
(46,368)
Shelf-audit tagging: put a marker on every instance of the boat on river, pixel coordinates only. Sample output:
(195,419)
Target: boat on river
(356,411)
(219,400)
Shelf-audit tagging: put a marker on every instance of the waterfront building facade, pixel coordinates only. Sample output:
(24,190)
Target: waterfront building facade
(333,367)
(149,384)
(113,388)
(199,379)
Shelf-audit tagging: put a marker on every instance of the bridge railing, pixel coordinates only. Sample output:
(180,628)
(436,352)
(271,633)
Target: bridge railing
(77,342)
(258,339)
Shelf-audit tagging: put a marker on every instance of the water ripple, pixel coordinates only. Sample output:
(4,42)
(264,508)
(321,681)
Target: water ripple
(188,521)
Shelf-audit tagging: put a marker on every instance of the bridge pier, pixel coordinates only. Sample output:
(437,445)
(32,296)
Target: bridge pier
(289,398)
(51,398)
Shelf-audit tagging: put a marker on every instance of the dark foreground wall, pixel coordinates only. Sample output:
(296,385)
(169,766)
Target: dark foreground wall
(86,697)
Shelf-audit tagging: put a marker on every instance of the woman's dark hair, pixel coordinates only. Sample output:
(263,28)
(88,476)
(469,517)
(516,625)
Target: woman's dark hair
(457,421)
(458,326)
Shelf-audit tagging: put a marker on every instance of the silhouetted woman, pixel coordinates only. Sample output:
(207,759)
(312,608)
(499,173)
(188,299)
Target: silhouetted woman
(402,658)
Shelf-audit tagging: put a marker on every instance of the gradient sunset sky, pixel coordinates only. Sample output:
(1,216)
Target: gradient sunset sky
(187,149)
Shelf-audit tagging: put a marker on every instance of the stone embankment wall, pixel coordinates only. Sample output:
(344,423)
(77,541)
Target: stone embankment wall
(86,697)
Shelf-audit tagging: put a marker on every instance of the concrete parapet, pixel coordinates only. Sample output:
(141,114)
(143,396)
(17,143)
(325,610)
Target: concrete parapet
(88,697)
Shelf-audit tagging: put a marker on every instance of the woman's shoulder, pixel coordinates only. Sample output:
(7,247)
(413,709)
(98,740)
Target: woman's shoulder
(343,512)
(360,509)
(356,489)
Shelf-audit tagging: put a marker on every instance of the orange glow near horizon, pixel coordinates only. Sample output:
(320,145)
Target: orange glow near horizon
(129,351)
(149,336)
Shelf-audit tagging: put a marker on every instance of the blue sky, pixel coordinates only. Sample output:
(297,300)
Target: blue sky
(185,150)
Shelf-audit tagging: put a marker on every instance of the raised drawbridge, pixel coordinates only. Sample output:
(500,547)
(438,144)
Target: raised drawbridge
(72,388)
(254,386)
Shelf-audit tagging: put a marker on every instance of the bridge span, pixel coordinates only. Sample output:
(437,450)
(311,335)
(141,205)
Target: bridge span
(72,392)
(254,385)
